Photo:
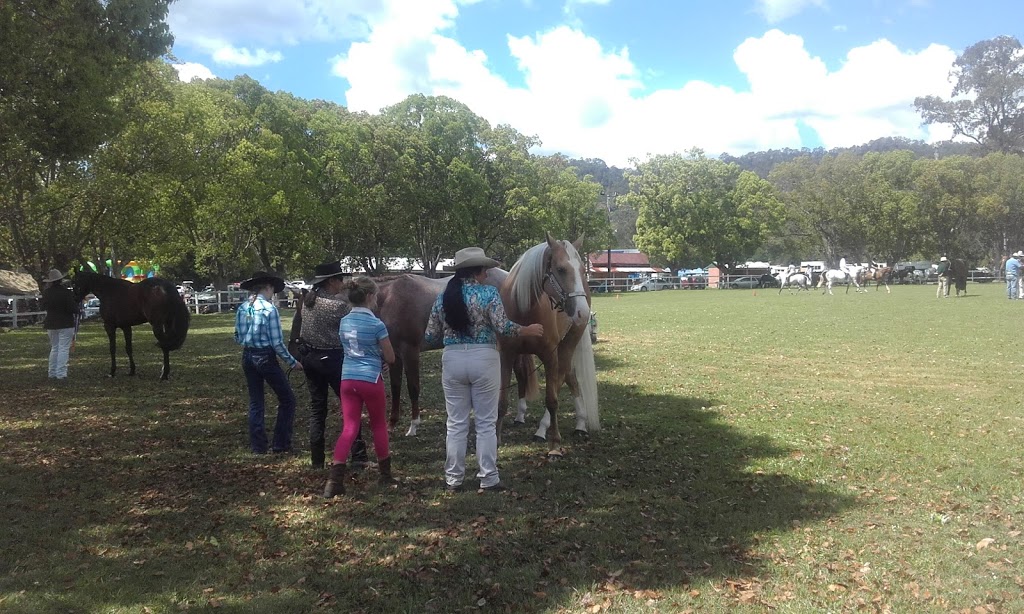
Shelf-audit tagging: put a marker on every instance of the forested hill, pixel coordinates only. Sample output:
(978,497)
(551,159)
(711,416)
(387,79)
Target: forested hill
(613,178)
(762,162)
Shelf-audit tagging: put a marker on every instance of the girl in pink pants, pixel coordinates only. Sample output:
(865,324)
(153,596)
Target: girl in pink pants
(367,348)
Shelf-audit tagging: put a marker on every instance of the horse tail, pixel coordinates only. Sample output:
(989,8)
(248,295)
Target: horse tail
(176,322)
(529,371)
(586,376)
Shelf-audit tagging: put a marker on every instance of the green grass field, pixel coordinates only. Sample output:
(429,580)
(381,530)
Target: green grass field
(760,452)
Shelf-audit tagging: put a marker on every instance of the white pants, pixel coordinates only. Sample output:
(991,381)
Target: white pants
(60,351)
(471,376)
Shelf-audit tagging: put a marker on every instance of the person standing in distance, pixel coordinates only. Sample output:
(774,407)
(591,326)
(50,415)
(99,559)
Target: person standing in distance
(61,310)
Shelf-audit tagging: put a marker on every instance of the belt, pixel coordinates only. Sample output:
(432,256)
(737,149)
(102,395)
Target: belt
(258,350)
(471,346)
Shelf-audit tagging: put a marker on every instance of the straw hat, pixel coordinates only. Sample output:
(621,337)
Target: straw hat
(262,278)
(53,275)
(943,259)
(323,272)
(472,257)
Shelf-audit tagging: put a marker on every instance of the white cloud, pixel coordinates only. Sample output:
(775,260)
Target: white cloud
(192,70)
(235,56)
(602,108)
(775,11)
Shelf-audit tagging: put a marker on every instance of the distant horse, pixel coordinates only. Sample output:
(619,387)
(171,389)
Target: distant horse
(124,305)
(546,285)
(834,276)
(881,275)
(792,279)
(403,304)
(766,281)
(958,276)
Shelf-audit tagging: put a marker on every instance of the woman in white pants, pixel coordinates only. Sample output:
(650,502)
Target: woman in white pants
(468,317)
(61,310)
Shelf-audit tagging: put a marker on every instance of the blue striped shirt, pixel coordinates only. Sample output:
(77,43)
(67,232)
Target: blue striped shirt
(361,333)
(258,326)
(487,318)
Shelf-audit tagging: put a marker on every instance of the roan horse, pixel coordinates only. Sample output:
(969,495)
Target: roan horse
(835,276)
(124,305)
(403,304)
(790,278)
(546,285)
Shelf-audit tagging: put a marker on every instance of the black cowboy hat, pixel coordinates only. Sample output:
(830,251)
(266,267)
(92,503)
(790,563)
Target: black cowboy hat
(323,272)
(262,278)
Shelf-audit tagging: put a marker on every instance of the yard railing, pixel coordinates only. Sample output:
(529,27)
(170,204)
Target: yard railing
(19,314)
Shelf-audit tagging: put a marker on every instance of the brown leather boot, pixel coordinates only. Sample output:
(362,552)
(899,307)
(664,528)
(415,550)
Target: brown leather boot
(336,482)
(385,473)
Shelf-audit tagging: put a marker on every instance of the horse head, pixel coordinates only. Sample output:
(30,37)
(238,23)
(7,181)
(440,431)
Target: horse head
(564,279)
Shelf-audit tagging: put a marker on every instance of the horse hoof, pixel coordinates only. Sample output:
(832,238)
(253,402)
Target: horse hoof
(539,439)
(411,432)
(519,421)
(554,455)
(581,434)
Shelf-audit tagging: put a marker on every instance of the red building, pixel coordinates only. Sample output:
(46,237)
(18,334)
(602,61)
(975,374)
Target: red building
(619,266)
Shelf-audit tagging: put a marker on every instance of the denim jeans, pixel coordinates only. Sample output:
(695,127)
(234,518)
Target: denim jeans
(60,351)
(260,365)
(1011,287)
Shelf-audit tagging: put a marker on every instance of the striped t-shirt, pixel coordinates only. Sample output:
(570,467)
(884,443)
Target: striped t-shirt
(360,333)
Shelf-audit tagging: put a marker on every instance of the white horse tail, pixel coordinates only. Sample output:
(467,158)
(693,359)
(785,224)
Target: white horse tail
(586,376)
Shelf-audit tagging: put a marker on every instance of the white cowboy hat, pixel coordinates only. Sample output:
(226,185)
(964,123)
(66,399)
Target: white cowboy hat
(472,257)
(943,259)
(54,275)
(1018,254)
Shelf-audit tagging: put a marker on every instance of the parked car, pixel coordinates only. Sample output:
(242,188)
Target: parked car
(653,283)
(297,285)
(746,281)
(91,308)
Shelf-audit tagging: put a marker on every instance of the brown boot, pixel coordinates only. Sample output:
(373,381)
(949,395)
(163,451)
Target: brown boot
(385,473)
(336,482)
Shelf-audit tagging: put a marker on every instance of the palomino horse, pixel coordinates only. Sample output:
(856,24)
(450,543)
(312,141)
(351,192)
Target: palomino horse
(835,276)
(792,279)
(403,304)
(546,285)
(878,274)
(124,305)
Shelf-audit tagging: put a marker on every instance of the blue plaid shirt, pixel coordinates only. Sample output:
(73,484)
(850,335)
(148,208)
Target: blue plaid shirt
(487,317)
(258,326)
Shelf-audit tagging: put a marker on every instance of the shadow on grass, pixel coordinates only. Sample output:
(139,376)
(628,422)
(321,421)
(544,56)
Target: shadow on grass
(132,493)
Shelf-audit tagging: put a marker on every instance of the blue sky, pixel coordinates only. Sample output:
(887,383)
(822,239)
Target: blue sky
(614,79)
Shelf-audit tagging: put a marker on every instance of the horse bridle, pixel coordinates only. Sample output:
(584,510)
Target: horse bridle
(560,296)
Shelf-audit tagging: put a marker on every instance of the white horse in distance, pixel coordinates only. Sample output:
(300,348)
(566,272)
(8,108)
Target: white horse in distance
(835,276)
(794,278)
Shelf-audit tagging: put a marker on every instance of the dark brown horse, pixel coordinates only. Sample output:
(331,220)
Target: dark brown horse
(880,275)
(546,285)
(958,276)
(124,305)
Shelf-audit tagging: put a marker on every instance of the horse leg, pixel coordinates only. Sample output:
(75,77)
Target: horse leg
(112,338)
(412,382)
(128,348)
(159,331)
(395,373)
(577,400)
(167,366)
(522,380)
(507,359)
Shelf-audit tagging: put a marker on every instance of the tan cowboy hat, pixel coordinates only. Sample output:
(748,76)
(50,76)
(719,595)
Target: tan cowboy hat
(943,259)
(322,272)
(472,257)
(54,275)
(262,278)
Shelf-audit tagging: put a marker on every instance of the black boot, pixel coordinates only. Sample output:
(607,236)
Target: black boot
(359,458)
(316,454)
(386,479)
(336,482)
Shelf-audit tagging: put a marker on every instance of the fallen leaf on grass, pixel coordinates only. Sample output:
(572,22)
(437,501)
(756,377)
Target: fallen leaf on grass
(985,543)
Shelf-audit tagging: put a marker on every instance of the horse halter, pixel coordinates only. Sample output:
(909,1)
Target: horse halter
(560,296)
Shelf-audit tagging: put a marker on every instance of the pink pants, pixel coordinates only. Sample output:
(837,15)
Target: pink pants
(353,394)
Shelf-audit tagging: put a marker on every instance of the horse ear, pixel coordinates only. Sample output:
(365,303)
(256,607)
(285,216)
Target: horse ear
(551,240)
(578,243)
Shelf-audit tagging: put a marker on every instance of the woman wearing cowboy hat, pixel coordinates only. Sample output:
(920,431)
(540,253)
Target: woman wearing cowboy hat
(258,330)
(318,347)
(468,317)
(61,309)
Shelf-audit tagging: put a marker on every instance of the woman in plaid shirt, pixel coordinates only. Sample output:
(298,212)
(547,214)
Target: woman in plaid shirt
(258,331)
